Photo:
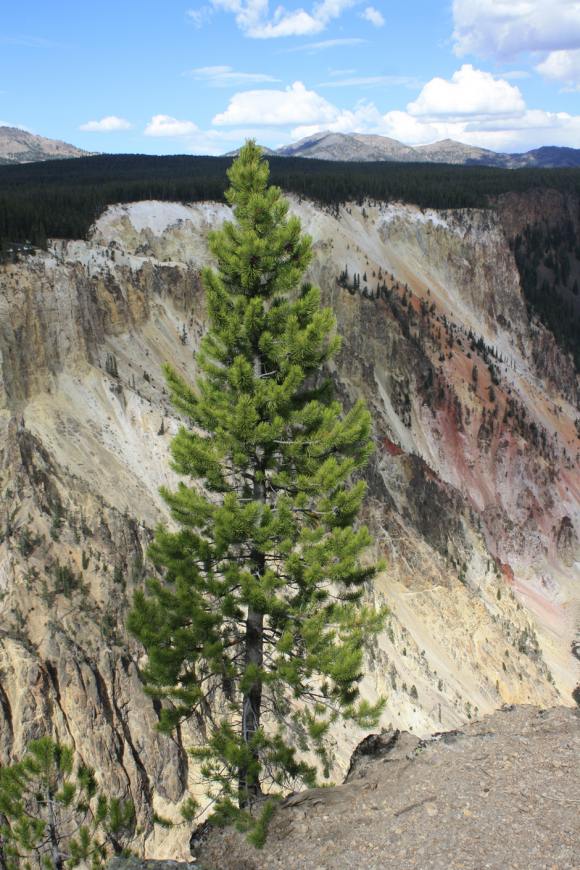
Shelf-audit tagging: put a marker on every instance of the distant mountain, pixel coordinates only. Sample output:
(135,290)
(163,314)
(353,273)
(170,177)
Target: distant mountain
(18,146)
(361,147)
(358,146)
(267,151)
(554,156)
(449,151)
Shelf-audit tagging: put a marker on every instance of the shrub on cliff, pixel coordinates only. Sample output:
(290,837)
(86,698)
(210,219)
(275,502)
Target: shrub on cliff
(51,815)
(260,611)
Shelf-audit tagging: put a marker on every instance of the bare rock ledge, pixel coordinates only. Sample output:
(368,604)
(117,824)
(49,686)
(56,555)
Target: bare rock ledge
(502,792)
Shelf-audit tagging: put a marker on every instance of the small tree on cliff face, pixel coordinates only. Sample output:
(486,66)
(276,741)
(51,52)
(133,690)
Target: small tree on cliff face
(260,612)
(51,814)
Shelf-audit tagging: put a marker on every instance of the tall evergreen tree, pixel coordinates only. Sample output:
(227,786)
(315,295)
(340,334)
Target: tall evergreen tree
(259,611)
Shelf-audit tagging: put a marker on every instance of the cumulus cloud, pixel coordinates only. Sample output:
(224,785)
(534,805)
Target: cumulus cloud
(254,20)
(472,107)
(224,76)
(111,124)
(470,93)
(506,28)
(475,108)
(293,106)
(563,66)
(165,125)
(373,15)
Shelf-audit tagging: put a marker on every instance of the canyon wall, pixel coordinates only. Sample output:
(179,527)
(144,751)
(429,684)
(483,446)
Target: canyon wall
(473,488)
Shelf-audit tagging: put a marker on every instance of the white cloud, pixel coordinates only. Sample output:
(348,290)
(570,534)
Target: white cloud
(475,108)
(373,15)
(403,127)
(295,105)
(513,74)
(165,125)
(200,16)
(377,81)
(470,93)
(534,129)
(225,76)
(315,47)
(253,17)
(472,107)
(561,66)
(506,28)
(111,124)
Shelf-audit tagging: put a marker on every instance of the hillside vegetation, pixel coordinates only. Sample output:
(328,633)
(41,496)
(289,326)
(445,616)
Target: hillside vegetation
(61,199)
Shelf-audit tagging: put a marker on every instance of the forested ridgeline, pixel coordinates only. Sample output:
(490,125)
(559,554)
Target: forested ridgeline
(61,199)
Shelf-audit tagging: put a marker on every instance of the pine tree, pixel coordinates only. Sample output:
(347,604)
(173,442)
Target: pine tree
(50,814)
(111,366)
(260,609)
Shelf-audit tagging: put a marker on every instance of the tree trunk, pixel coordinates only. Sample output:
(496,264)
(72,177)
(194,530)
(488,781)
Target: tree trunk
(3,862)
(252,700)
(254,644)
(55,854)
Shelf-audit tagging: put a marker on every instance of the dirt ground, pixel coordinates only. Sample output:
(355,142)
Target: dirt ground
(501,793)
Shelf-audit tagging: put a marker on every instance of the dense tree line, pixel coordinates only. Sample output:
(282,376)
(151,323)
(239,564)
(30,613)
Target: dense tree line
(62,198)
(548,260)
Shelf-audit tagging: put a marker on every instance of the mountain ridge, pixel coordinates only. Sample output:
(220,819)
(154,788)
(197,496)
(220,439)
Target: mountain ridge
(21,146)
(369,148)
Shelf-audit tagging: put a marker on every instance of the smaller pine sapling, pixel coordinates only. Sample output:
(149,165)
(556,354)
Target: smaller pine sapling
(52,814)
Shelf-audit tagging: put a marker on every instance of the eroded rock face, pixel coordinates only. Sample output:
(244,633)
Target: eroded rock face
(475,511)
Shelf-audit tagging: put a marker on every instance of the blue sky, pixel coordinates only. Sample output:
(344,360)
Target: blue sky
(199,76)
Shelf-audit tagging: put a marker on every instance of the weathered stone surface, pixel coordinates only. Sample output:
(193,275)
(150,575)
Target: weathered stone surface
(146,864)
(497,793)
